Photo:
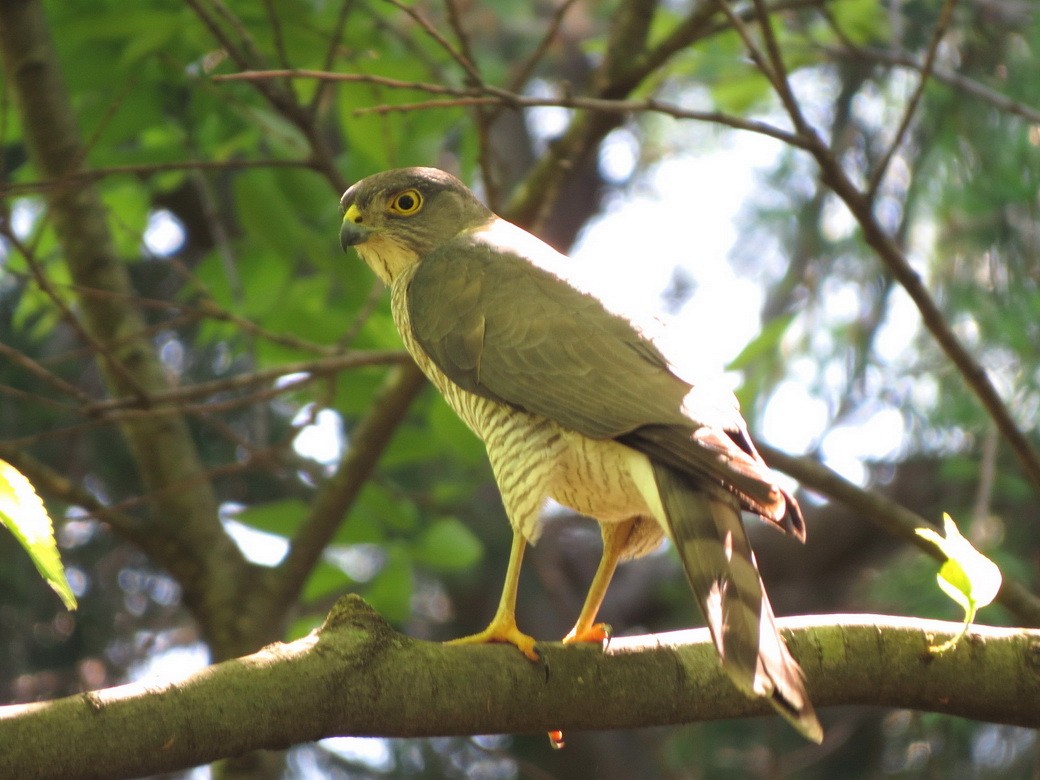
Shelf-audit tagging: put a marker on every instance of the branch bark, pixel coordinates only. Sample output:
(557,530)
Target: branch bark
(357,676)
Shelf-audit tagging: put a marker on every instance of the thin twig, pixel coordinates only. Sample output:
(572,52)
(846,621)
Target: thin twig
(960,82)
(276,33)
(894,258)
(473,75)
(330,57)
(523,73)
(42,373)
(894,519)
(77,178)
(941,26)
(104,351)
(55,486)
(496,95)
(36,398)
(240,382)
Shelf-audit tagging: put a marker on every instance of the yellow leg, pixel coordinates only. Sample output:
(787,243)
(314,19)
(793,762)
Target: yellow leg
(503,625)
(615,537)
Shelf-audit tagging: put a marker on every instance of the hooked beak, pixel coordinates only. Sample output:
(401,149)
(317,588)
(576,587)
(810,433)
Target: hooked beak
(352,232)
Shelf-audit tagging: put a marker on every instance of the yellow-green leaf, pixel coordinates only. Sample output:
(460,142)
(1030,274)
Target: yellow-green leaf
(24,515)
(968,577)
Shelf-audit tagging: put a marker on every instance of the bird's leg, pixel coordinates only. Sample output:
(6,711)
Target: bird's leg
(615,538)
(503,625)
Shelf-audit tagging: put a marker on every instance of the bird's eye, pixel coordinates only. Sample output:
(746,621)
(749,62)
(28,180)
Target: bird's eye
(406,203)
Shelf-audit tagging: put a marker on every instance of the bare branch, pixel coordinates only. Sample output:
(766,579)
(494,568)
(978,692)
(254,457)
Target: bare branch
(890,253)
(959,82)
(894,519)
(460,58)
(312,368)
(878,175)
(489,95)
(77,178)
(356,676)
(34,368)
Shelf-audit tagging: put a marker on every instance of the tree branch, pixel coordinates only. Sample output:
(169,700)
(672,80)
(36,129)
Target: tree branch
(356,676)
(941,26)
(860,204)
(894,519)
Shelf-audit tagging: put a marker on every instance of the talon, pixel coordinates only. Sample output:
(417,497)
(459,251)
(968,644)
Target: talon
(598,633)
(505,632)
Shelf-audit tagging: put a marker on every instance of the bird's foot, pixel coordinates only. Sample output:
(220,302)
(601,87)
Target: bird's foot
(597,632)
(502,630)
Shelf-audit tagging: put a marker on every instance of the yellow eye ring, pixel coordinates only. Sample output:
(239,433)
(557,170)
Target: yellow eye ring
(406,203)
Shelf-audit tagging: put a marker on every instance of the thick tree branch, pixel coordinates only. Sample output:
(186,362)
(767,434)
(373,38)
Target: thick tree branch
(357,676)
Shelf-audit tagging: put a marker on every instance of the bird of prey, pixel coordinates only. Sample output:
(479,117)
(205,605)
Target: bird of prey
(575,402)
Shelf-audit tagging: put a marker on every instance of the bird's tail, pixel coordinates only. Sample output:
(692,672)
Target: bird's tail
(708,533)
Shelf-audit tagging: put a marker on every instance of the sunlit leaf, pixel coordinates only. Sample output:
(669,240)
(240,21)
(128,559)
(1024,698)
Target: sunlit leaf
(23,514)
(276,517)
(968,577)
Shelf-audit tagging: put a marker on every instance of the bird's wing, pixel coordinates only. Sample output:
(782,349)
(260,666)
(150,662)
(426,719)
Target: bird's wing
(497,314)
(503,327)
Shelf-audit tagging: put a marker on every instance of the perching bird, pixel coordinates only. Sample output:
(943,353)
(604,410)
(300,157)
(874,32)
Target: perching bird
(574,402)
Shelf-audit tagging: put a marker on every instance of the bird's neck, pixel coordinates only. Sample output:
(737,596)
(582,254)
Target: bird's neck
(387,258)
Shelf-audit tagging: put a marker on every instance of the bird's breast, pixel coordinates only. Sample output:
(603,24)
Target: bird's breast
(534,457)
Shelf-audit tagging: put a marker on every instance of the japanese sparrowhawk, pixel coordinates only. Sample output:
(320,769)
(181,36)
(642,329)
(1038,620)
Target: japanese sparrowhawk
(574,402)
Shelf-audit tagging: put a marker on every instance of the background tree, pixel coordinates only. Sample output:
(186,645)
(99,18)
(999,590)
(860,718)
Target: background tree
(188,358)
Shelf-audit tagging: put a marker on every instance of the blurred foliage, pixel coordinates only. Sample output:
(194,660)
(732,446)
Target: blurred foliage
(247,275)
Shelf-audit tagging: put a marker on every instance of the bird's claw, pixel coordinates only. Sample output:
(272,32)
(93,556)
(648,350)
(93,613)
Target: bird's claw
(505,632)
(597,633)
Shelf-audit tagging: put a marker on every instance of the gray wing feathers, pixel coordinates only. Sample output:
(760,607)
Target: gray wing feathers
(546,347)
(713,546)
(509,328)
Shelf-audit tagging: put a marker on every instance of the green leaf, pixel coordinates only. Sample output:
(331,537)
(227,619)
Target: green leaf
(276,517)
(24,515)
(448,545)
(390,510)
(324,580)
(390,592)
(968,577)
(861,21)
(765,343)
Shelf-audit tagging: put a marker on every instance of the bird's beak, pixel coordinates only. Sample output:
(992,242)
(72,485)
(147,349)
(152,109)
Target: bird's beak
(352,232)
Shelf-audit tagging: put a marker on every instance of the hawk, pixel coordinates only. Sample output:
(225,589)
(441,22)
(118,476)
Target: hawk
(575,402)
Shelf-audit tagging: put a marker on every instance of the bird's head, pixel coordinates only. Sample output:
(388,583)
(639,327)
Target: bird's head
(396,217)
